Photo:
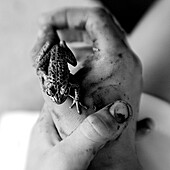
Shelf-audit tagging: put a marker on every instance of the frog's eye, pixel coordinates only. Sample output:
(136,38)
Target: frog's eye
(122,111)
(63,44)
(62,90)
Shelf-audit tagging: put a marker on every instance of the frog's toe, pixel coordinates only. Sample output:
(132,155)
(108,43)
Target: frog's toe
(77,104)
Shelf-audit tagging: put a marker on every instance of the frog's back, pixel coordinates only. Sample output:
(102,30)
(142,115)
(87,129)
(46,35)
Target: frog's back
(58,67)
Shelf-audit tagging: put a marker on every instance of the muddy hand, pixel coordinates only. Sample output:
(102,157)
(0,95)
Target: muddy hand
(109,73)
(48,151)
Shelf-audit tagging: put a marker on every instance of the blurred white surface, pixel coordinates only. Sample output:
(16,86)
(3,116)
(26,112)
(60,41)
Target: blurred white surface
(15,129)
(153,148)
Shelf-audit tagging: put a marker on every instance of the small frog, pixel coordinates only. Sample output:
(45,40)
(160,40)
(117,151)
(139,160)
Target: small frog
(52,69)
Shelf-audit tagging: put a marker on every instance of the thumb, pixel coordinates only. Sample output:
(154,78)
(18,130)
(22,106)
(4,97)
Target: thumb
(98,128)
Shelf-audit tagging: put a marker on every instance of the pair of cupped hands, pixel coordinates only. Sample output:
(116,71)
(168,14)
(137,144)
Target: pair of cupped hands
(104,139)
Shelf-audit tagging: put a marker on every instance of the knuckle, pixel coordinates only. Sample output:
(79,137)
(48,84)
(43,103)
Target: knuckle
(101,128)
(98,11)
(136,62)
(44,18)
(41,19)
(99,18)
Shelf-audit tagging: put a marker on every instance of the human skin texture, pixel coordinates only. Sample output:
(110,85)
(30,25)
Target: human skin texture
(106,72)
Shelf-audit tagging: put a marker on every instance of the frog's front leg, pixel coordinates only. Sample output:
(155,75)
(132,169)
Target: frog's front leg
(42,57)
(76,98)
(42,64)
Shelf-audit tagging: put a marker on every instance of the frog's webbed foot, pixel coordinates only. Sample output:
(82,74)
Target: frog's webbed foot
(77,102)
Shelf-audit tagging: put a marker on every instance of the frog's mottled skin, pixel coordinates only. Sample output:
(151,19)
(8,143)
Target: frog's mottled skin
(52,68)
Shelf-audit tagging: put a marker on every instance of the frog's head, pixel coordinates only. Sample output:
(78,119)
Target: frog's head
(61,94)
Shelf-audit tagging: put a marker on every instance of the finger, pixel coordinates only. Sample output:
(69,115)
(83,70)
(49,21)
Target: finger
(68,34)
(45,130)
(72,35)
(98,23)
(98,128)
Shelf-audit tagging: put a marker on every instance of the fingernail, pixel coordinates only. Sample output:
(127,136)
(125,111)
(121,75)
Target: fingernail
(121,111)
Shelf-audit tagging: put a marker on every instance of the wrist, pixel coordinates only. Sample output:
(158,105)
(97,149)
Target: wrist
(118,155)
